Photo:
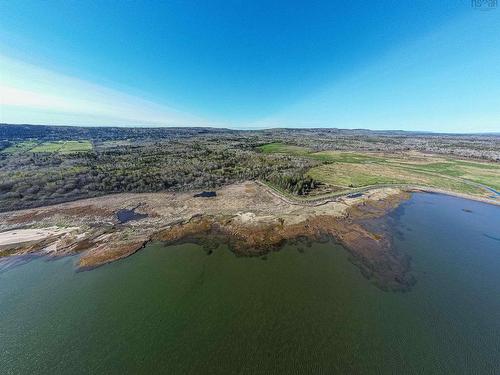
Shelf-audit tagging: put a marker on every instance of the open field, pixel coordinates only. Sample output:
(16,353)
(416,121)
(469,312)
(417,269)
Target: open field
(285,149)
(63,147)
(351,170)
(20,147)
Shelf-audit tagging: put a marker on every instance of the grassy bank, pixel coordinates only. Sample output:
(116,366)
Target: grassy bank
(350,171)
(63,147)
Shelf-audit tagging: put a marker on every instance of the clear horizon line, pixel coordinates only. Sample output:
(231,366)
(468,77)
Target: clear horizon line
(149,126)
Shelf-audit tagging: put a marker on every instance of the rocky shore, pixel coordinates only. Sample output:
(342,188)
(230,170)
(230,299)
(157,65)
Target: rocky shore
(246,216)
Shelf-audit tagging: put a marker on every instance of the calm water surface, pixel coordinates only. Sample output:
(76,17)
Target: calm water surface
(177,310)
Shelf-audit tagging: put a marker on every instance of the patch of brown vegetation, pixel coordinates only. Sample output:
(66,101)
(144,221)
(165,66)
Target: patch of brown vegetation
(374,208)
(109,250)
(26,248)
(194,227)
(39,214)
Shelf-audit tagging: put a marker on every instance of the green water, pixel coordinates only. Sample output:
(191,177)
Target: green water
(177,310)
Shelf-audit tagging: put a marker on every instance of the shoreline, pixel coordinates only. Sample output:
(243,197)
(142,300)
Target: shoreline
(454,194)
(404,187)
(247,217)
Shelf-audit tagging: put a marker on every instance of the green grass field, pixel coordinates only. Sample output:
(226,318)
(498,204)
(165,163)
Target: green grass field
(75,146)
(284,149)
(20,147)
(63,147)
(354,170)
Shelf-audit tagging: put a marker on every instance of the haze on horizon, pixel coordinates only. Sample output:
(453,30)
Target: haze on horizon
(409,65)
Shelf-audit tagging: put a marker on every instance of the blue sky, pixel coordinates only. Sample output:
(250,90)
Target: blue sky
(411,65)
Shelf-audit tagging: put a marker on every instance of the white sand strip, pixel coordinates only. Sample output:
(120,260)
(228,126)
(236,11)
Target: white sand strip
(19,236)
